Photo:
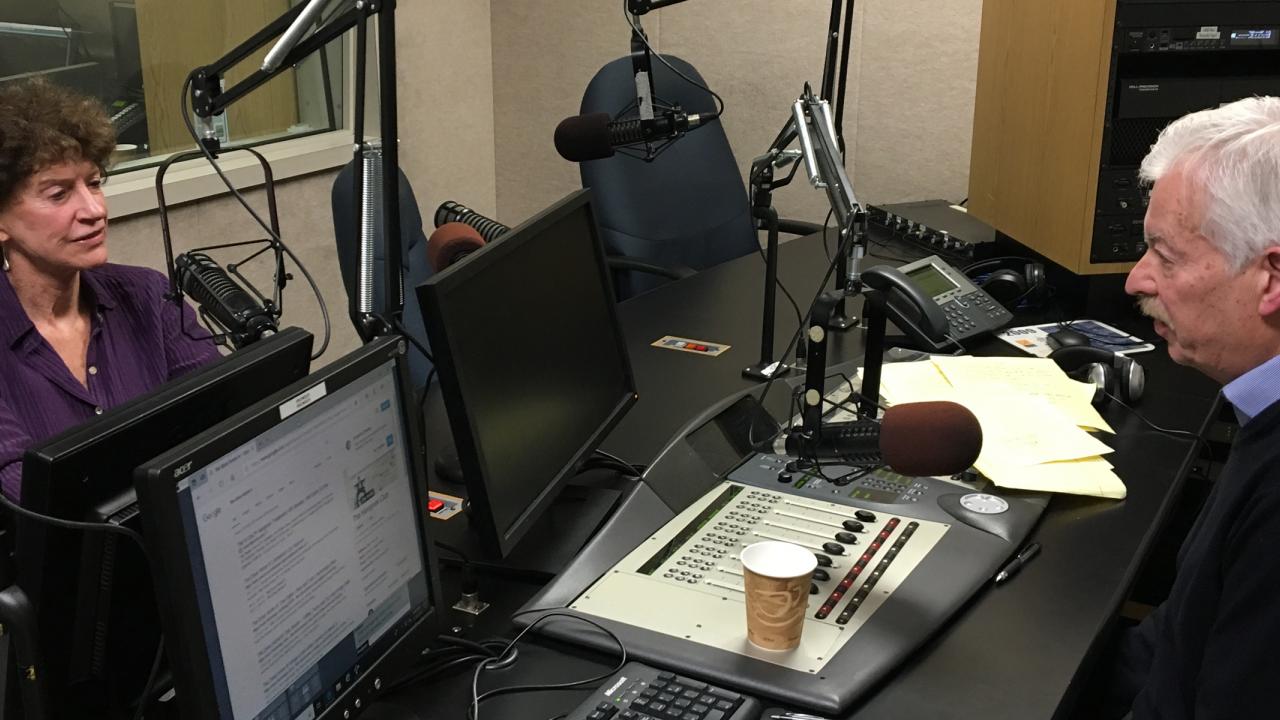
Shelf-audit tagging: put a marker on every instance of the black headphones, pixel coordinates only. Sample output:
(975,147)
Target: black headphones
(1118,375)
(1010,280)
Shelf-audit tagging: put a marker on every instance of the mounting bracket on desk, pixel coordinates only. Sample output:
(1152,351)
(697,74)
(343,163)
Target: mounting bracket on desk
(890,295)
(763,182)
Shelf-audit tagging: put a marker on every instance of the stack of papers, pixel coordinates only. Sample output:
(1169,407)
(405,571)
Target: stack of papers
(1034,419)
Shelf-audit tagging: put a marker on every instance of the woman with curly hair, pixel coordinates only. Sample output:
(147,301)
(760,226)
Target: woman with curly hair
(78,335)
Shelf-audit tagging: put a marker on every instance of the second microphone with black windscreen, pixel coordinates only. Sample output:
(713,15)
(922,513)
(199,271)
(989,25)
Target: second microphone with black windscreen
(243,318)
(594,136)
(459,232)
(450,212)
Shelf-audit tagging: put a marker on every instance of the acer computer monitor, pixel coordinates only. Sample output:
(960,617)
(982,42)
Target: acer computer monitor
(295,577)
(95,611)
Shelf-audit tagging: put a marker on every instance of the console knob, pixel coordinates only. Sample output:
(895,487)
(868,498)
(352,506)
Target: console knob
(833,548)
(865,515)
(847,538)
(853,526)
(823,560)
(821,575)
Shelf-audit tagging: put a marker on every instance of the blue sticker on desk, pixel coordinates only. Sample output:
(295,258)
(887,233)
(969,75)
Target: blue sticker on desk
(699,347)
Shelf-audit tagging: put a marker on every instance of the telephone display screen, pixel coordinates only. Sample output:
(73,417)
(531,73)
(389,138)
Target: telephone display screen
(931,280)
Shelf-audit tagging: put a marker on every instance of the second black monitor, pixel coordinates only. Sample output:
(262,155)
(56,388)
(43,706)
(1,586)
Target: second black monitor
(532,361)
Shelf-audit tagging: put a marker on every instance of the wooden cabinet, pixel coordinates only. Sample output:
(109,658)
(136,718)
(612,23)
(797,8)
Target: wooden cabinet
(1043,75)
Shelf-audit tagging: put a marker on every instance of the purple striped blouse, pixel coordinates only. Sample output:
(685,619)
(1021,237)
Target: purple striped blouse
(138,341)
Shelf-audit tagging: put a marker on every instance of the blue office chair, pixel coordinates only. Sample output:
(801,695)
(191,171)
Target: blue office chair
(686,209)
(413,253)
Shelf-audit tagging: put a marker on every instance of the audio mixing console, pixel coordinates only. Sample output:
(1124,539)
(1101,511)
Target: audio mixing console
(898,557)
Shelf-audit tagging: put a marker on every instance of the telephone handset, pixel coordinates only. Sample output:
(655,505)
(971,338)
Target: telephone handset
(968,309)
(910,308)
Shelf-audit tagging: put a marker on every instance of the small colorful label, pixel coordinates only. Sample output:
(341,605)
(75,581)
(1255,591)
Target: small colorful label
(701,347)
(441,506)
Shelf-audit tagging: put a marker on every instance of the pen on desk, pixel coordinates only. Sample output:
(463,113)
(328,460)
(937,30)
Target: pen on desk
(1017,562)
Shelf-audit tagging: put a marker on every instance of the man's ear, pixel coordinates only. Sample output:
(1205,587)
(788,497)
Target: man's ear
(1269,303)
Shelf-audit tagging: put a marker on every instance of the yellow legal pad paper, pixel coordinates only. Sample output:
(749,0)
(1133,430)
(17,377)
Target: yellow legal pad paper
(1089,476)
(1027,432)
(1026,376)
(1031,414)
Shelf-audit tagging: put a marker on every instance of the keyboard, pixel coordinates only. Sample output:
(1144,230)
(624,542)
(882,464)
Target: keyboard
(641,692)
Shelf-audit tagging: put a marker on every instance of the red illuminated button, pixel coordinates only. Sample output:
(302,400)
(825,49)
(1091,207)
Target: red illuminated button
(435,505)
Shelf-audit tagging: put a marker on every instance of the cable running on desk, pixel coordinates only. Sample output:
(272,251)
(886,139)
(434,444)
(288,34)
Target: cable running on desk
(473,710)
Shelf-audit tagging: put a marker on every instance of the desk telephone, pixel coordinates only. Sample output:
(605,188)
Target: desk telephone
(935,304)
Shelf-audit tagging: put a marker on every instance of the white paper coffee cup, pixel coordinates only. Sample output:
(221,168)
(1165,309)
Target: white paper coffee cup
(776,577)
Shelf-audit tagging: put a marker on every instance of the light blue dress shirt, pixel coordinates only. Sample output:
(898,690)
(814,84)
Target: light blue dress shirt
(1254,391)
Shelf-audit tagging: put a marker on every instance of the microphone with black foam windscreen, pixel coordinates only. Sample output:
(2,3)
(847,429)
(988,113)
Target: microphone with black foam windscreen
(594,136)
(452,212)
(241,316)
(913,439)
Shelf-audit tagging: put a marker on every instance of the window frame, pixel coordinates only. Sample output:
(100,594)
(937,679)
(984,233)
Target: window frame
(133,192)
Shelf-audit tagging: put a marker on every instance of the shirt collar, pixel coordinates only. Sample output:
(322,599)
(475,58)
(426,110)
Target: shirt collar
(1254,391)
(102,295)
(14,323)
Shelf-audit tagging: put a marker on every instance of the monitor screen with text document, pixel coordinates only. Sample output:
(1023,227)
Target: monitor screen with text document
(297,561)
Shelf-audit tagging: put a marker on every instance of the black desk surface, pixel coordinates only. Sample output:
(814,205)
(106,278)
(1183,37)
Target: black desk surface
(1017,650)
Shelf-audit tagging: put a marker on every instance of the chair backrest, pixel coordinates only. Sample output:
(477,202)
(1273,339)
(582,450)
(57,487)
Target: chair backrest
(413,254)
(689,206)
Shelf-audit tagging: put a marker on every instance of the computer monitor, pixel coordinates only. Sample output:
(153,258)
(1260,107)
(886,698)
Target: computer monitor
(291,561)
(96,614)
(532,362)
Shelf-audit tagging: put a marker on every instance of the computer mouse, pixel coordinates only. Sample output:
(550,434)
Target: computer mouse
(1066,337)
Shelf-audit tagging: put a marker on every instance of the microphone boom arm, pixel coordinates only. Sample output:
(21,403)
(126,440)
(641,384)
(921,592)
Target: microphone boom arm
(811,124)
(825,163)
(208,99)
(207,96)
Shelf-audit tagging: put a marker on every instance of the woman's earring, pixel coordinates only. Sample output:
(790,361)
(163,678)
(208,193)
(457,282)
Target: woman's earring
(5,258)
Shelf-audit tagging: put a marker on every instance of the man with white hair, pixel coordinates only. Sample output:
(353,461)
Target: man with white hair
(1211,281)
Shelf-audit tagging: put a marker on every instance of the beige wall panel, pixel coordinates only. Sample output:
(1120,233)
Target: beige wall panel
(758,54)
(444,60)
(908,116)
(915,105)
(306,226)
(544,54)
